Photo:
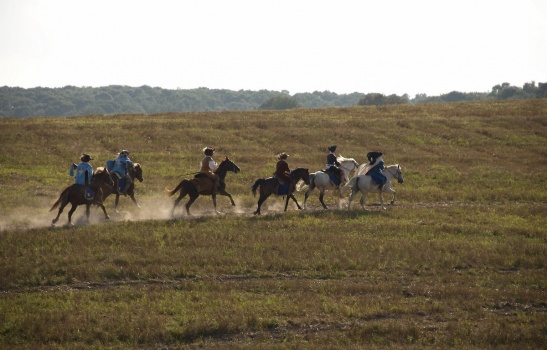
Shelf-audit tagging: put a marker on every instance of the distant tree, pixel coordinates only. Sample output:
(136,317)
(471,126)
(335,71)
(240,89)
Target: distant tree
(454,96)
(279,102)
(377,99)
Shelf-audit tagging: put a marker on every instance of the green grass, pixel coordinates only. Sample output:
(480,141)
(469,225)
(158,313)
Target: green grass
(458,262)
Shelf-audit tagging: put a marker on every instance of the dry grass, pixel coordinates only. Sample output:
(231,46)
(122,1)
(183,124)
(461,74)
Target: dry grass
(459,262)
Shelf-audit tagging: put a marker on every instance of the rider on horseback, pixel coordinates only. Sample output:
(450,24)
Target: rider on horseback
(83,174)
(333,164)
(208,165)
(282,171)
(122,164)
(374,168)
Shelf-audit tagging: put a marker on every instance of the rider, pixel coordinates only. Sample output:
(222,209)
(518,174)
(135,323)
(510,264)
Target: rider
(333,164)
(208,165)
(374,168)
(82,172)
(122,164)
(282,170)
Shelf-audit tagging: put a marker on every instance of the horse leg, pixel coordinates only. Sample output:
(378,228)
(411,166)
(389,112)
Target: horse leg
(182,194)
(294,199)
(308,192)
(393,195)
(214,197)
(116,202)
(381,200)
(362,201)
(87,207)
(189,203)
(132,196)
(321,196)
(70,212)
(104,211)
(353,193)
(224,193)
(61,207)
(261,200)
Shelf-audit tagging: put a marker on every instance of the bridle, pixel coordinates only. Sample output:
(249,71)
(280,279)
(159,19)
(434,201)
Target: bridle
(397,174)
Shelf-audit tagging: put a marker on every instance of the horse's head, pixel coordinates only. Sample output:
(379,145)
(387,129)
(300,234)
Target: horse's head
(397,172)
(137,172)
(102,176)
(347,165)
(301,174)
(227,165)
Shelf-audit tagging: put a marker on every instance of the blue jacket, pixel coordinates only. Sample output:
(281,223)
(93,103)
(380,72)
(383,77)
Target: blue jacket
(122,164)
(376,173)
(80,171)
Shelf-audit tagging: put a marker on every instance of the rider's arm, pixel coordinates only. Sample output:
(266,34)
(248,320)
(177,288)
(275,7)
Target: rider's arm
(212,165)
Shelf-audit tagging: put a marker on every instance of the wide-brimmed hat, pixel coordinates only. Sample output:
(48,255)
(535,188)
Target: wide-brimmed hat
(373,155)
(86,157)
(208,151)
(282,155)
(332,148)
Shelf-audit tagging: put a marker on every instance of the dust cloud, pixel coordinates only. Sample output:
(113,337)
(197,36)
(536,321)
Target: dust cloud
(154,208)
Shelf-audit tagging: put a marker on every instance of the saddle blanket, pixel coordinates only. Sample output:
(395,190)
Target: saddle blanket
(283,189)
(121,185)
(89,194)
(334,180)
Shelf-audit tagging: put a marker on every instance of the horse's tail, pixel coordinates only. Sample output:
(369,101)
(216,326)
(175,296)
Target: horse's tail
(255,186)
(176,189)
(63,194)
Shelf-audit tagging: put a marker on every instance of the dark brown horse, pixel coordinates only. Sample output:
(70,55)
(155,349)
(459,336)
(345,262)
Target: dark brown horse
(203,186)
(270,186)
(75,195)
(134,172)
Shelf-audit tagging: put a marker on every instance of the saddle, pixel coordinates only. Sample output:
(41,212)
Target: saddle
(203,183)
(335,176)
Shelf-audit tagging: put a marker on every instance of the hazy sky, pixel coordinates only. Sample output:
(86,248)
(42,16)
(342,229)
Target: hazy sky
(391,47)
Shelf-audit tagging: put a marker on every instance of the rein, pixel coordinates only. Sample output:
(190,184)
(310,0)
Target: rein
(394,175)
(343,167)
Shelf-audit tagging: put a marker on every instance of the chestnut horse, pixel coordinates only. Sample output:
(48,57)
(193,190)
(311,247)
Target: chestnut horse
(270,186)
(75,195)
(203,186)
(134,172)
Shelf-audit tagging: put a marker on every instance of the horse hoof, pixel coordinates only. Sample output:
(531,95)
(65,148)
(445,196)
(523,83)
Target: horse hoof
(107,218)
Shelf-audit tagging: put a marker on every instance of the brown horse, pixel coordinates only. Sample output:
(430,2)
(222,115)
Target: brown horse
(203,186)
(270,186)
(75,195)
(134,172)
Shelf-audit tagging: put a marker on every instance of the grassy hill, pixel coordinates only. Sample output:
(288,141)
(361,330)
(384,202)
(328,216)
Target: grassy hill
(458,262)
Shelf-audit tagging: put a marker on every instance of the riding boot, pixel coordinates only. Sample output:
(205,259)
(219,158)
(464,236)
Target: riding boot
(127,185)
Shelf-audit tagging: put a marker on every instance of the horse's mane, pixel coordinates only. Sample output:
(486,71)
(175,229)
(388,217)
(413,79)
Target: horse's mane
(341,159)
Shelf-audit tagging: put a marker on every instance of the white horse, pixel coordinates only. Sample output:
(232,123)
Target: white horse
(322,180)
(364,184)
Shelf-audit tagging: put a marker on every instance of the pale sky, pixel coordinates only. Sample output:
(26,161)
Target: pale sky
(390,47)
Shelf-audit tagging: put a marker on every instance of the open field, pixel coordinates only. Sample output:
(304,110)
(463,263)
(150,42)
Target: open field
(458,262)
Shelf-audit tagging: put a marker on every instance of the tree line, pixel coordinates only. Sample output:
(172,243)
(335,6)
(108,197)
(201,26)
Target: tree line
(118,99)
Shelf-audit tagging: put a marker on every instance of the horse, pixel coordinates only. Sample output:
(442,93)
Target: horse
(76,195)
(270,186)
(135,172)
(322,181)
(196,187)
(364,184)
